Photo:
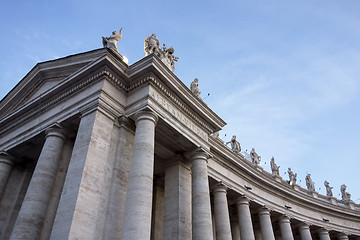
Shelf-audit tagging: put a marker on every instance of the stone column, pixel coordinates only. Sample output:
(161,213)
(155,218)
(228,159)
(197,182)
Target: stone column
(265,224)
(304,230)
(285,228)
(6,165)
(244,215)
(177,206)
(342,236)
(201,209)
(324,234)
(33,211)
(235,230)
(221,212)
(138,205)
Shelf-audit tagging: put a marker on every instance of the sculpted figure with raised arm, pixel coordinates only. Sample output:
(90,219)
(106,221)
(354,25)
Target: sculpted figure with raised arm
(292,177)
(235,145)
(112,41)
(344,194)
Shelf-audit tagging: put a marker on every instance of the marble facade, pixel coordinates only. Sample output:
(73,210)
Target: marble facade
(91,148)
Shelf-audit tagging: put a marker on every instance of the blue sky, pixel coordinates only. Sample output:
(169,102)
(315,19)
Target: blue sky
(284,75)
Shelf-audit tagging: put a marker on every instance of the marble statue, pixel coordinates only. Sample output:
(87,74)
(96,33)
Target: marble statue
(309,183)
(344,194)
(255,158)
(274,167)
(328,189)
(235,145)
(194,87)
(112,41)
(292,177)
(152,45)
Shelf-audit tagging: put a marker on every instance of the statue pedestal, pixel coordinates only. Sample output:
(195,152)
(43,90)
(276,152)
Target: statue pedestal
(333,200)
(350,204)
(314,194)
(259,168)
(277,178)
(296,187)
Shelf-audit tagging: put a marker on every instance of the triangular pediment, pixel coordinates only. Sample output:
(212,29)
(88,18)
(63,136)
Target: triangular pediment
(44,77)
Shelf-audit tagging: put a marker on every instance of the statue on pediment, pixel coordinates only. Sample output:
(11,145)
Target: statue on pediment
(328,189)
(255,158)
(344,194)
(194,87)
(235,145)
(274,167)
(152,45)
(112,41)
(309,183)
(292,177)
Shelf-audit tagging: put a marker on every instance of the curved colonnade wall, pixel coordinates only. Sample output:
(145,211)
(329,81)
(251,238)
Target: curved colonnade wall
(92,148)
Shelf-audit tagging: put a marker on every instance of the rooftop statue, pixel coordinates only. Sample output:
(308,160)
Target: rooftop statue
(112,41)
(274,167)
(328,189)
(152,45)
(194,87)
(309,183)
(344,194)
(235,145)
(292,177)
(255,158)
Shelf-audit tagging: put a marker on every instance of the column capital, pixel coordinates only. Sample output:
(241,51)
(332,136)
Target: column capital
(198,154)
(303,225)
(219,187)
(323,231)
(56,130)
(342,236)
(284,219)
(6,158)
(146,115)
(243,200)
(264,211)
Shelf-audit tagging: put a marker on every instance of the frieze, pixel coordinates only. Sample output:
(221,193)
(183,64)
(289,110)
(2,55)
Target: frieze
(178,115)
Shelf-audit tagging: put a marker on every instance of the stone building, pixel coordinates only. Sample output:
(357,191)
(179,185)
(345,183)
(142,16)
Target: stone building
(92,148)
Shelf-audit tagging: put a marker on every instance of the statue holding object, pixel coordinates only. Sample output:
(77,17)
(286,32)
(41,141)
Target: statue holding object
(328,189)
(112,41)
(292,177)
(309,183)
(274,167)
(344,194)
(255,158)
(194,87)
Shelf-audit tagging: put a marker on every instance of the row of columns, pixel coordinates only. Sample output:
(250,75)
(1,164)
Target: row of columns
(138,205)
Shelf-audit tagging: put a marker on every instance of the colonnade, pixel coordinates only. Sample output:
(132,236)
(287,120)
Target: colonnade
(187,207)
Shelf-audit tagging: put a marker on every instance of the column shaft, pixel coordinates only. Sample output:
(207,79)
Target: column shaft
(221,210)
(244,215)
(201,209)
(235,230)
(34,207)
(285,228)
(324,234)
(6,165)
(305,233)
(177,209)
(343,236)
(138,205)
(265,224)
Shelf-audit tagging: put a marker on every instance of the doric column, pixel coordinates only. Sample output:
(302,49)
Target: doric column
(235,229)
(138,205)
(244,215)
(201,209)
(177,204)
(265,224)
(34,207)
(285,228)
(6,165)
(324,234)
(342,236)
(304,230)
(221,212)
